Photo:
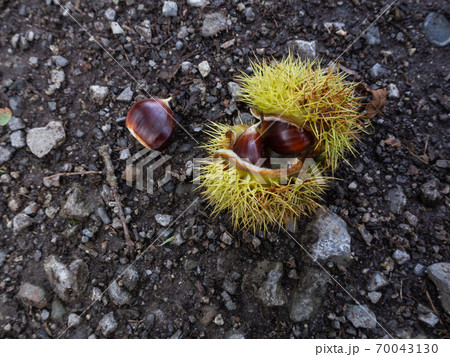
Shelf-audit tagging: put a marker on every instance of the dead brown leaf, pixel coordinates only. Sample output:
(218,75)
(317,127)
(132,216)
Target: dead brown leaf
(377,102)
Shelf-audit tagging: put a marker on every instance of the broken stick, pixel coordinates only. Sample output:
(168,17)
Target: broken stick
(111,179)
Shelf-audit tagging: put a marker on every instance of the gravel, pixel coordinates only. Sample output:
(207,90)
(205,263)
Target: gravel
(76,206)
(429,192)
(439,273)
(21,222)
(308,295)
(6,153)
(372,35)
(332,241)
(126,95)
(204,68)
(118,295)
(33,295)
(213,24)
(18,139)
(361,316)
(377,281)
(196,3)
(437,29)
(401,257)
(116,29)
(170,9)
(98,93)
(108,324)
(67,282)
(163,219)
(397,200)
(42,140)
(265,281)
(305,49)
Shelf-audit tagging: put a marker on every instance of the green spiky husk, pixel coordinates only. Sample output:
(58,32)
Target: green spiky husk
(320,99)
(256,206)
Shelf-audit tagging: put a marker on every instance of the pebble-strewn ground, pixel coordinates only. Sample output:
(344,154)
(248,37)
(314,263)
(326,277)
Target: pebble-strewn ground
(61,240)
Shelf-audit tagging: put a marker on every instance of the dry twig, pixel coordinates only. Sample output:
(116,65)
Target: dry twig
(111,179)
(73,174)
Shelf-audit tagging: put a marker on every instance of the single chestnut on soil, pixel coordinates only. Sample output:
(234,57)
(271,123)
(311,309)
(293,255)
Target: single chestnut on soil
(152,123)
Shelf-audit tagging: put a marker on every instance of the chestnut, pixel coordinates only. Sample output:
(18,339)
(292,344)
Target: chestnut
(249,146)
(285,138)
(152,123)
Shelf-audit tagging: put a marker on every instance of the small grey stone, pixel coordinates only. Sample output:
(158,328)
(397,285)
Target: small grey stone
(33,295)
(116,28)
(130,276)
(226,238)
(429,192)
(57,76)
(213,24)
(125,154)
(163,219)
(170,9)
(103,215)
(21,222)
(443,164)
(430,319)
(334,25)
(126,96)
(397,200)
(353,186)
(77,206)
(377,281)
(361,316)
(16,124)
(372,35)
(234,89)
(393,91)
(60,61)
(439,273)
(437,29)
(67,282)
(186,67)
(419,269)
(145,31)
(401,257)
(45,314)
(307,297)
(3,255)
(58,310)
(196,3)
(332,241)
(204,68)
(249,15)
(305,49)
(42,140)
(119,296)
(265,281)
(378,71)
(150,321)
(412,219)
(108,324)
(179,45)
(73,320)
(17,106)
(374,296)
(18,139)
(6,154)
(98,93)
(110,14)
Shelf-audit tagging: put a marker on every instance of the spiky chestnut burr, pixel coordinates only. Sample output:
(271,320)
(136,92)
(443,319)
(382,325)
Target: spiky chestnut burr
(257,197)
(305,95)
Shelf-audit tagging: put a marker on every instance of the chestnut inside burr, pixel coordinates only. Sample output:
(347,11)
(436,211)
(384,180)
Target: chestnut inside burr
(285,138)
(249,146)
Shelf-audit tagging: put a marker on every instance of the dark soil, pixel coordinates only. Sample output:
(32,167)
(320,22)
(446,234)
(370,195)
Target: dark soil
(177,282)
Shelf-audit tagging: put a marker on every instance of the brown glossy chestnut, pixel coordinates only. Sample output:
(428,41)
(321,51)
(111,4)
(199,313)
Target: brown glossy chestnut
(284,138)
(152,123)
(249,146)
